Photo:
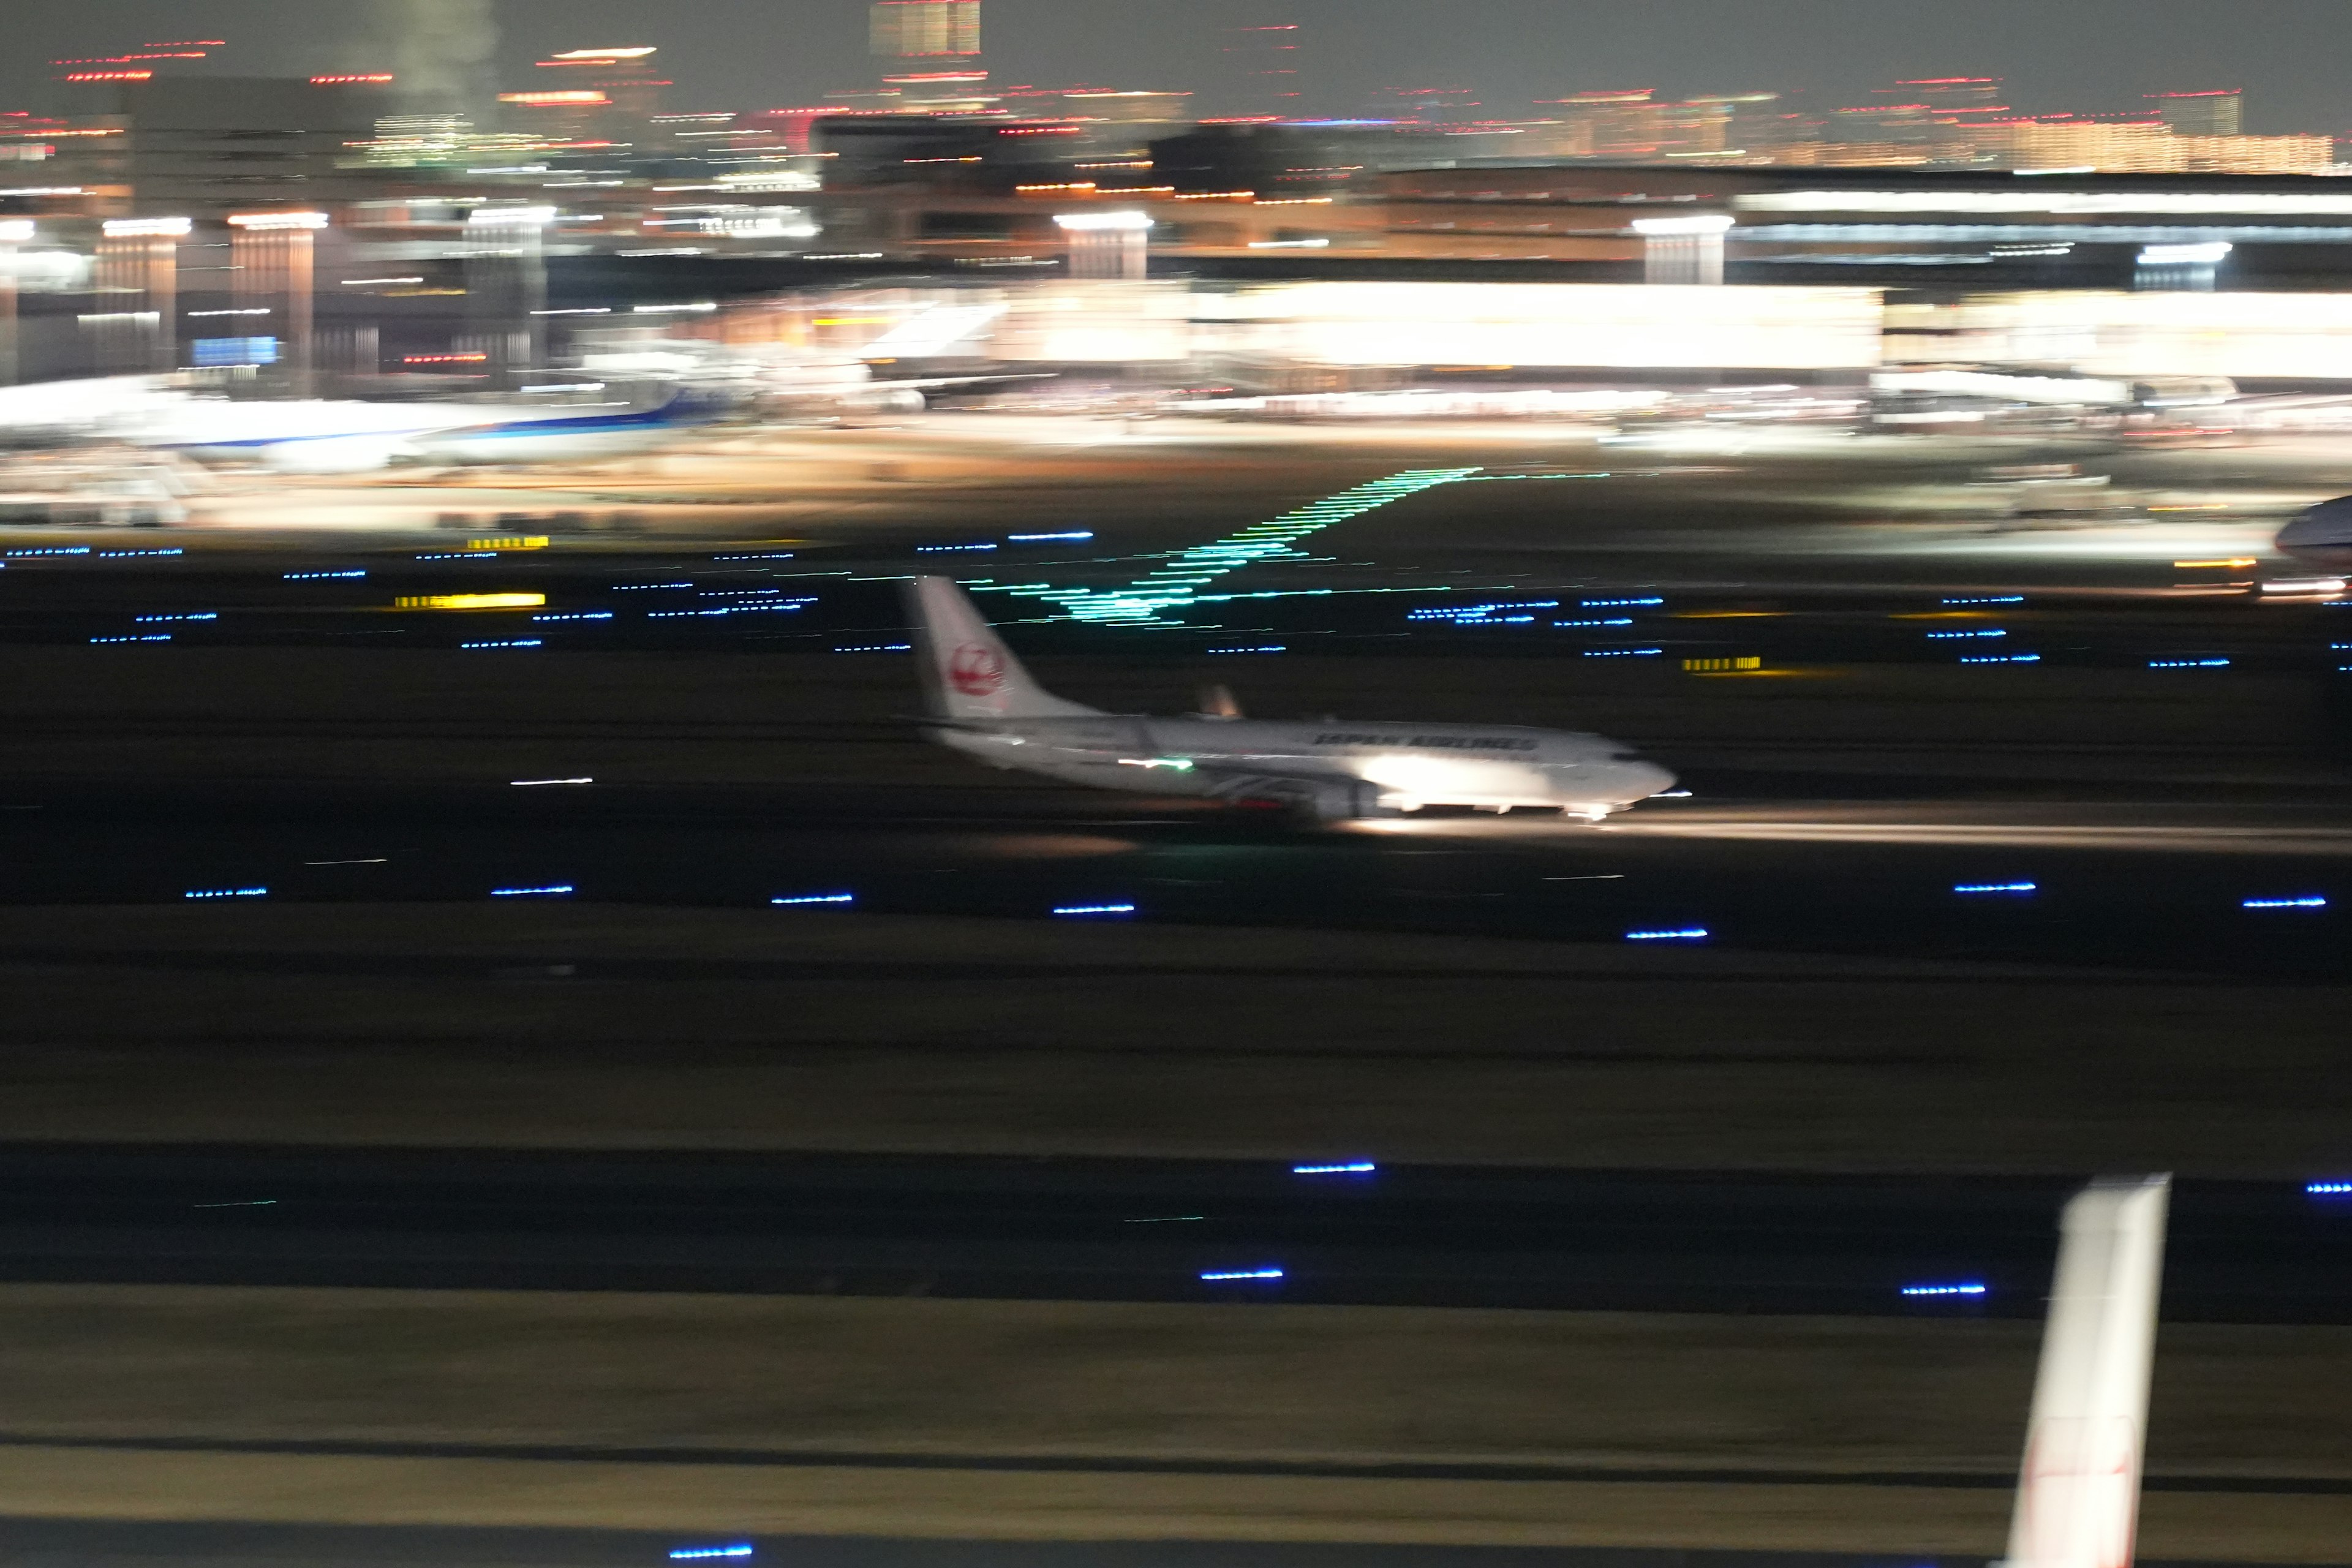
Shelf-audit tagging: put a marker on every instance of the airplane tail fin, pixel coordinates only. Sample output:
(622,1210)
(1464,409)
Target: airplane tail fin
(2078,1490)
(968,672)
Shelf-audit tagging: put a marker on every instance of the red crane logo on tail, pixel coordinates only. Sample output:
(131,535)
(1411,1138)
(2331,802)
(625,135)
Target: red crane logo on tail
(976,671)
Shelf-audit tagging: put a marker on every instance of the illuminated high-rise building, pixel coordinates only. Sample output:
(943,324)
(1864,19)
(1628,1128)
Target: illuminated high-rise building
(912,30)
(2222,113)
(609,93)
(1951,95)
(1626,125)
(1263,69)
(930,51)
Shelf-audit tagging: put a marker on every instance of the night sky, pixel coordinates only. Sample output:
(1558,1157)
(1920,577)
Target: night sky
(745,54)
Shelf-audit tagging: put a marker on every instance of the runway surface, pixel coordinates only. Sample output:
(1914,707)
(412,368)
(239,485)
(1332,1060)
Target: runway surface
(2146,884)
(56,1543)
(2120,739)
(1104,1230)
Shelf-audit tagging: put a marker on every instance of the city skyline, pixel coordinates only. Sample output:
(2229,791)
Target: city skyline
(1833,52)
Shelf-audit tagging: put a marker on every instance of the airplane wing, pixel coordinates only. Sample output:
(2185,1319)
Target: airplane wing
(917,384)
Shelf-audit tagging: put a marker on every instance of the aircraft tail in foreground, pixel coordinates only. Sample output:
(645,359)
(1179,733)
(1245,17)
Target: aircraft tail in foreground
(2078,1490)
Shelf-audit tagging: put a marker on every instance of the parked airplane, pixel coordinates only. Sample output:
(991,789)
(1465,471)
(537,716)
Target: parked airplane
(329,436)
(774,378)
(981,702)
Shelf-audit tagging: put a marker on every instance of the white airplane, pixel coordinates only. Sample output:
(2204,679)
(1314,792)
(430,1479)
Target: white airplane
(981,702)
(2078,1488)
(327,436)
(775,378)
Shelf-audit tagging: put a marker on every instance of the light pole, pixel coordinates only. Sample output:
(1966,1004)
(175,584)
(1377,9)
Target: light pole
(14,232)
(272,255)
(141,256)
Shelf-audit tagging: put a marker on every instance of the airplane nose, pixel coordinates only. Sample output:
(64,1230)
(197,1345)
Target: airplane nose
(2328,525)
(1644,779)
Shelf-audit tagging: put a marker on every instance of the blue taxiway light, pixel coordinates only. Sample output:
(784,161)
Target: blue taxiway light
(2309,901)
(646,587)
(817,899)
(1623,652)
(1990,599)
(119,554)
(1948,636)
(227,893)
(1995,888)
(1082,909)
(193,615)
(554,891)
(509,642)
(307,576)
(1269,648)
(1476,611)
(53,550)
(1213,1276)
(2001,658)
(771,555)
(1077,534)
(2327,1189)
(1685,933)
(948,549)
(779,608)
(1615,604)
(1972,1289)
(1353,1168)
(877,648)
(689,1554)
(148,636)
(2188,664)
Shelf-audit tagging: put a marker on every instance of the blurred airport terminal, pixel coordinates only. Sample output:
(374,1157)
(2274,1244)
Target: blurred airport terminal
(357,234)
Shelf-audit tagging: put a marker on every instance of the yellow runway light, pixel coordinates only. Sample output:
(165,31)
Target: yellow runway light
(520,541)
(469,601)
(2235,563)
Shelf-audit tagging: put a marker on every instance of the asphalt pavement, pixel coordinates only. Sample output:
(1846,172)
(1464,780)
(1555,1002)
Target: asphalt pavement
(1331,1229)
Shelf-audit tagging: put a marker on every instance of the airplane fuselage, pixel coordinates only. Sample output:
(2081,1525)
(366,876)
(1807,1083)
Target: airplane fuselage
(1338,767)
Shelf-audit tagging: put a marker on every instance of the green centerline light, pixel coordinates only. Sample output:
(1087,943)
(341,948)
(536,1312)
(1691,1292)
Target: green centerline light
(1171,587)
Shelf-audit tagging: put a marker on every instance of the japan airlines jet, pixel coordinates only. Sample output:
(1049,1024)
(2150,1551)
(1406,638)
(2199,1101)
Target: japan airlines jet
(980,701)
